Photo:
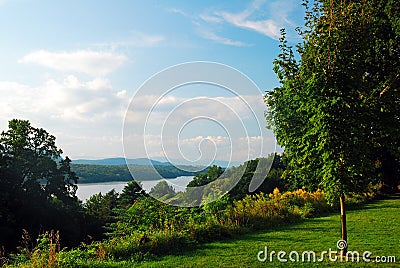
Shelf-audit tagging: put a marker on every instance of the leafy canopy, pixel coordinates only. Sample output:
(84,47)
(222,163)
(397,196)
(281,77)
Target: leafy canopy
(339,96)
(34,162)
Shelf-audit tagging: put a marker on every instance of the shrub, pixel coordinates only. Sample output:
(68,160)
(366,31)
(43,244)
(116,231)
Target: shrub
(43,254)
(258,212)
(307,204)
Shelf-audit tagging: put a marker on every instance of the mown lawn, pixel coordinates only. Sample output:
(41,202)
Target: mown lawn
(374,228)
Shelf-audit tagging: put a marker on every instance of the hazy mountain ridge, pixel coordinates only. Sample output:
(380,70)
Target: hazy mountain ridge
(119,161)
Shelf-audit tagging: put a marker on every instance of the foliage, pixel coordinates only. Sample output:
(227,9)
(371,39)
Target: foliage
(131,192)
(32,157)
(339,103)
(45,252)
(37,186)
(151,228)
(375,228)
(210,175)
(162,190)
(237,179)
(150,214)
(307,204)
(101,206)
(271,181)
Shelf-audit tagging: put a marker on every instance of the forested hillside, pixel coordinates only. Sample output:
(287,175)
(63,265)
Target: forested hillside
(108,173)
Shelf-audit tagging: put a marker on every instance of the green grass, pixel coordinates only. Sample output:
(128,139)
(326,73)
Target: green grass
(375,227)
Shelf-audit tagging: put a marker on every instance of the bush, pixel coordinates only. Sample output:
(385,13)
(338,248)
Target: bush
(260,212)
(43,254)
(306,204)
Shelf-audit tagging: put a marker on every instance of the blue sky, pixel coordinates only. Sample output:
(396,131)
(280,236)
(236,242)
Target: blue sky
(72,67)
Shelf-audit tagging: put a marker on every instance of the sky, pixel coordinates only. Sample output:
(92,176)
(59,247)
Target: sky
(83,70)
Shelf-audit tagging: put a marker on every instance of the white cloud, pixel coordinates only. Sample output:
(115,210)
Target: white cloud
(224,109)
(138,39)
(90,146)
(218,140)
(201,149)
(211,18)
(178,11)
(223,127)
(267,27)
(121,94)
(206,34)
(87,118)
(222,40)
(99,83)
(82,61)
(265,17)
(69,99)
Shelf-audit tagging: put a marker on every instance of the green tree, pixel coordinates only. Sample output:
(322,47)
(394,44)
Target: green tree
(339,98)
(210,175)
(247,172)
(35,162)
(162,190)
(101,206)
(37,186)
(196,192)
(131,192)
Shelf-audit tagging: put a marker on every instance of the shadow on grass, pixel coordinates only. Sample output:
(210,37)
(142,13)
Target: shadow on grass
(378,203)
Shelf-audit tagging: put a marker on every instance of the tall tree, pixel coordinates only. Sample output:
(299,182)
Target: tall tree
(339,97)
(37,186)
(101,206)
(131,192)
(36,161)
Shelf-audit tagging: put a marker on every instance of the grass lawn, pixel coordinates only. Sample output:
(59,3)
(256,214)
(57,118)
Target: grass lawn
(374,228)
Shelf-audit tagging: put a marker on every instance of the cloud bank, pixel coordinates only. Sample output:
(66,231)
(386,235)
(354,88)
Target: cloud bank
(89,62)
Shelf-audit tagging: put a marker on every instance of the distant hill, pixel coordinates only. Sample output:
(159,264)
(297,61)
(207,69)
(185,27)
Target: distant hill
(221,163)
(89,173)
(119,161)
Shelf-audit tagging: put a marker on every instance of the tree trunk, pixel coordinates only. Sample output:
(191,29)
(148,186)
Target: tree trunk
(344,227)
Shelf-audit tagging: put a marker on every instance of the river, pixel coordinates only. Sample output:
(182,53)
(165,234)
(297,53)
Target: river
(88,189)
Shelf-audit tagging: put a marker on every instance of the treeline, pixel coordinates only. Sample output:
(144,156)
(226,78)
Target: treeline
(108,173)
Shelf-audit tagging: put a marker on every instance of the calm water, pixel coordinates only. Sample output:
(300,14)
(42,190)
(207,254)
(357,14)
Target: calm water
(86,190)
